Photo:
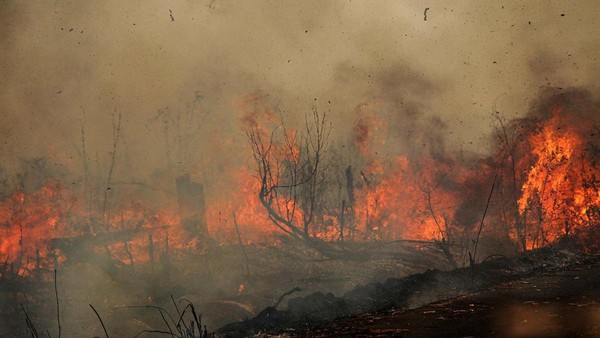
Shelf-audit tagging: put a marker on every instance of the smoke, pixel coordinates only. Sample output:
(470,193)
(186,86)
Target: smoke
(183,75)
(63,58)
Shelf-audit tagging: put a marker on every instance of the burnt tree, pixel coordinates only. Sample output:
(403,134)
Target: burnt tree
(291,172)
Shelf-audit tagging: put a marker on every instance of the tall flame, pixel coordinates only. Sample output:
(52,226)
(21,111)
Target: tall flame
(560,188)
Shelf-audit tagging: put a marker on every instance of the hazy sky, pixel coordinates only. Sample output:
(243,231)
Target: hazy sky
(62,58)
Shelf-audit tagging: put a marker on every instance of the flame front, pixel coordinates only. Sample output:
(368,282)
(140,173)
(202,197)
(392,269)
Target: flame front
(417,194)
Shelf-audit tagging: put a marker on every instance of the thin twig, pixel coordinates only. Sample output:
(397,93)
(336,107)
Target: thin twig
(57,304)
(180,319)
(153,331)
(197,318)
(161,310)
(483,219)
(116,136)
(296,289)
(29,323)
(237,230)
(100,319)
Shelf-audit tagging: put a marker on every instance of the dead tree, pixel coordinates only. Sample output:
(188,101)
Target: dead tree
(291,172)
(508,151)
(116,136)
(181,132)
(86,170)
(296,189)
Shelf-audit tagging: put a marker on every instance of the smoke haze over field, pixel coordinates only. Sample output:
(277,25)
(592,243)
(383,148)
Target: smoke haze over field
(62,58)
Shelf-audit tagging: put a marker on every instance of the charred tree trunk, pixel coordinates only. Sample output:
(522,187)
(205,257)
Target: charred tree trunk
(192,210)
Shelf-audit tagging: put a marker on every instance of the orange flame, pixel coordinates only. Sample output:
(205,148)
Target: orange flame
(557,190)
(406,197)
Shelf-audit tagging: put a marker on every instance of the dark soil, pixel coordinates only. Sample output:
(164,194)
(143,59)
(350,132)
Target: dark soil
(549,304)
(548,292)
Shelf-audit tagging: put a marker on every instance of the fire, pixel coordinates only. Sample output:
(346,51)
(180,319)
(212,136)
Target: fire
(385,206)
(437,196)
(560,189)
(36,223)
(28,221)
(148,235)
(242,209)
(417,194)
